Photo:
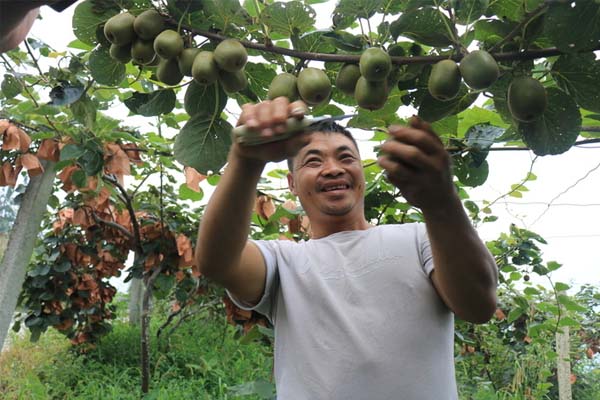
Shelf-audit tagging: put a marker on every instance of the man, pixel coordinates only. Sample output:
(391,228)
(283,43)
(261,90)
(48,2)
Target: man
(360,312)
(17,18)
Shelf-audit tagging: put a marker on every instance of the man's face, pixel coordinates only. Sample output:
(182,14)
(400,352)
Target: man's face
(328,176)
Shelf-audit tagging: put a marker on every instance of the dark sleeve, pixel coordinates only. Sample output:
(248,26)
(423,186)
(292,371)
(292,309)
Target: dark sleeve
(61,5)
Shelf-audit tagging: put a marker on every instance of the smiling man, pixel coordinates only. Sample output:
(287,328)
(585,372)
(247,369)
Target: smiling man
(360,311)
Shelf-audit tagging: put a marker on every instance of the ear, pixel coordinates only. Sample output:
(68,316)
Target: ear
(291,185)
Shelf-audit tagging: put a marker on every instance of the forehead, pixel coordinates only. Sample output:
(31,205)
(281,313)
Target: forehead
(327,142)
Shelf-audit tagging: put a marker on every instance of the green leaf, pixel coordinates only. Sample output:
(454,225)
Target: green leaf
(514,314)
(152,104)
(317,42)
(467,11)
(508,9)
(573,29)
(185,193)
(561,287)
(204,100)
(355,9)
(482,136)
(487,28)
(571,304)
(71,152)
(432,109)
(87,20)
(79,178)
(91,161)
(289,19)
(568,321)
(11,86)
(470,173)
(344,41)
(203,143)
(104,69)
(579,75)
(259,77)
(84,111)
(553,265)
(425,25)
(531,291)
(225,14)
(384,117)
(557,129)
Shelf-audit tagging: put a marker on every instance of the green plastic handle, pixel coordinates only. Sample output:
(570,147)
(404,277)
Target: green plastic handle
(252,138)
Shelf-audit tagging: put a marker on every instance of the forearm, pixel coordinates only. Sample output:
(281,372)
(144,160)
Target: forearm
(465,272)
(225,225)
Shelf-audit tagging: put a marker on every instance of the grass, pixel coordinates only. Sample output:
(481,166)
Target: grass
(202,359)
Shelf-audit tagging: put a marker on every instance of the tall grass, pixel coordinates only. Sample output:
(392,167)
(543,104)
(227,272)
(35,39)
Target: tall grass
(202,359)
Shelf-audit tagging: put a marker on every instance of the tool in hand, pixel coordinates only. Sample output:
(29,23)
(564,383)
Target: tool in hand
(249,137)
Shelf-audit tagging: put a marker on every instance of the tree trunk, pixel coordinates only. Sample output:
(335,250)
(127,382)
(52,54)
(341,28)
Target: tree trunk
(136,295)
(563,364)
(21,242)
(3,243)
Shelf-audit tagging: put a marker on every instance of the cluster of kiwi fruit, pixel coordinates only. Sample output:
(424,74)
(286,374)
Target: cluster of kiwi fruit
(146,41)
(367,82)
(526,96)
(312,85)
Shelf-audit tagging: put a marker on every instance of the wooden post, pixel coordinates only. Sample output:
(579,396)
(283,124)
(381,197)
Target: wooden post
(563,363)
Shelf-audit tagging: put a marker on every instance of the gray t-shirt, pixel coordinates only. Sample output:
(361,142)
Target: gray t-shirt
(357,318)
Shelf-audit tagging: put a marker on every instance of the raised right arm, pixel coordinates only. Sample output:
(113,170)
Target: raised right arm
(223,252)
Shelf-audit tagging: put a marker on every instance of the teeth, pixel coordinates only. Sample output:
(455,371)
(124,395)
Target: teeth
(335,188)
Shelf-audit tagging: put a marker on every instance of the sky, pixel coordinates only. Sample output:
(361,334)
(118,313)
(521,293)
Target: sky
(562,205)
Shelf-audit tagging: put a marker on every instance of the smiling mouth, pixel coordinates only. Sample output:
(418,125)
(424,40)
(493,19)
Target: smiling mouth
(335,188)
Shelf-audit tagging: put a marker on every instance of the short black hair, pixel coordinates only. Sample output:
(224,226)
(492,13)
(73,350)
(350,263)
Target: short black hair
(326,127)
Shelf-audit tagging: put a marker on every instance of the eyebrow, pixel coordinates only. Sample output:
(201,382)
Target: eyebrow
(318,152)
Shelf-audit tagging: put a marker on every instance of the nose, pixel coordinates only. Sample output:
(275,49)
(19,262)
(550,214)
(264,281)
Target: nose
(332,168)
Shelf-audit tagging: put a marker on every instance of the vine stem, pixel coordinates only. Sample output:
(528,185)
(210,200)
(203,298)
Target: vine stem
(530,16)
(398,60)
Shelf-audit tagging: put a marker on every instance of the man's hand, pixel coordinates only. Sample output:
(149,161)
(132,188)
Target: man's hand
(416,162)
(268,119)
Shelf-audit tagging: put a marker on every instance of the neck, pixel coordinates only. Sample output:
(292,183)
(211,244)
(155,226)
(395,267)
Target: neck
(330,224)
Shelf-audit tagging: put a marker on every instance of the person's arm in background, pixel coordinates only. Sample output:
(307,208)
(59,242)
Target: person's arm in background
(223,252)
(17,18)
(465,274)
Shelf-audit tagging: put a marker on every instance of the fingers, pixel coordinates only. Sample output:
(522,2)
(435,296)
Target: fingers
(412,156)
(270,116)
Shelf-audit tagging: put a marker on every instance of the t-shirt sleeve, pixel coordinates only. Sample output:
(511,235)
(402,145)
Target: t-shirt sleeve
(266,304)
(424,248)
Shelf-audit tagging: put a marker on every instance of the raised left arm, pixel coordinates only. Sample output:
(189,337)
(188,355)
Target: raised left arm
(465,274)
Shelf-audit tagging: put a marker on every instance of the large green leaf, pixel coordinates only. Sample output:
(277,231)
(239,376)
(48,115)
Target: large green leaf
(152,104)
(507,9)
(11,86)
(486,28)
(384,117)
(572,29)
(259,78)
(225,13)
(470,171)
(579,75)
(293,18)
(358,8)
(425,25)
(84,111)
(482,136)
(204,100)
(87,19)
(314,42)
(467,11)
(432,109)
(203,143)
(104,69)
(557,129)
(344,41)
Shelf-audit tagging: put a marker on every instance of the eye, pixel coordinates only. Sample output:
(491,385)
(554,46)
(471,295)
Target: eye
(347,158)
(312,162)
